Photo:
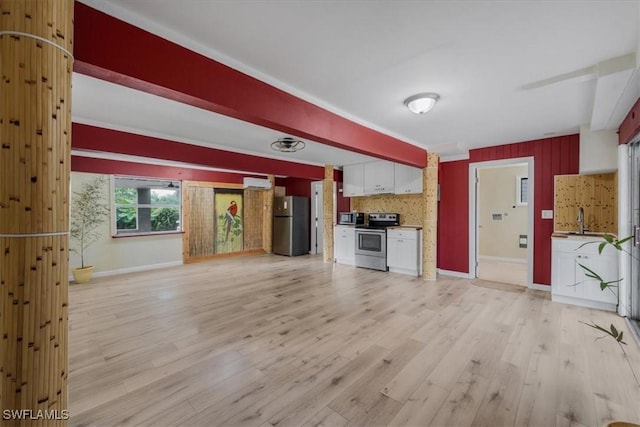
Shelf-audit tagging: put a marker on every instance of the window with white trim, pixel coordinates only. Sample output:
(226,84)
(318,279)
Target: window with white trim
(522,190)
(146,206)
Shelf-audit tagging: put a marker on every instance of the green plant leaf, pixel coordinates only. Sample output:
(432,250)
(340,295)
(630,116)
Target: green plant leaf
(619,243)
(601,247)
(615,335)
(593,275)
(590,273)
(585,244)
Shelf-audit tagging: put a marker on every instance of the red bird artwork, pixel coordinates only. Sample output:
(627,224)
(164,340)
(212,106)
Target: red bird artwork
(232,210)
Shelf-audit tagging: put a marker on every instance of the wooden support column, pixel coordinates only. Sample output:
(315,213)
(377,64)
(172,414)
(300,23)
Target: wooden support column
(327,213)
(267,219)
(35,138)
(430,217)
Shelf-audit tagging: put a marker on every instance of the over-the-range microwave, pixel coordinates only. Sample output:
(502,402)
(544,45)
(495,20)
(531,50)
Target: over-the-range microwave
(351,218)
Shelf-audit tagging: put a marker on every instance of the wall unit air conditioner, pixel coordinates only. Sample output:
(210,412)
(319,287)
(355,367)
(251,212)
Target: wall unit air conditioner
(256,183)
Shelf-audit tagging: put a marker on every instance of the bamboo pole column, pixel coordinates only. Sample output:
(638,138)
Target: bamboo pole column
(430,217)
(35,141)
(267,219)
(327,214)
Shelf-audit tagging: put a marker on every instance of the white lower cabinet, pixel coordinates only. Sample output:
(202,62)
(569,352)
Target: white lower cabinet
(569,283)
(344,244)
(404,250)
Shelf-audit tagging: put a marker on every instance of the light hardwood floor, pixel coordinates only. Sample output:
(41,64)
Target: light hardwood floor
(503,271)
(275,341)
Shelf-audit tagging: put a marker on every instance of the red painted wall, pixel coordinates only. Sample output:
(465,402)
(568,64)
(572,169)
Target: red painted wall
(296,186)
(630,126)
(453,216)
(552,156)
(302,187)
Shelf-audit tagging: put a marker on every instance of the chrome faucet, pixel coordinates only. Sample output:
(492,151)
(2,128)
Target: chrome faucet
(581,220)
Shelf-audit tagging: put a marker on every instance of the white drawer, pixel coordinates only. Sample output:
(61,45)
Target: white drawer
(571,245)
(396,233)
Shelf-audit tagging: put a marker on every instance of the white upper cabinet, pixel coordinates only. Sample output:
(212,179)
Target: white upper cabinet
(408,180)
(379,177)
(353,180)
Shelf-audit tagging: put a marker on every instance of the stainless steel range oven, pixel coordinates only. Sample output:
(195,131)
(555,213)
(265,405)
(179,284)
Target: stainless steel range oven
(371,241)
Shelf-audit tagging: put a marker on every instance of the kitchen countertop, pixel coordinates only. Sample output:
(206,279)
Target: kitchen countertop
(405,227)
(575,236)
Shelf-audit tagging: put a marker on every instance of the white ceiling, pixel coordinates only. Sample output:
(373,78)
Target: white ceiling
(362,59)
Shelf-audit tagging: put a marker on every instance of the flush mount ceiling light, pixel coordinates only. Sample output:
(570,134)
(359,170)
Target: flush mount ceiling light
(287,144)
(422,102)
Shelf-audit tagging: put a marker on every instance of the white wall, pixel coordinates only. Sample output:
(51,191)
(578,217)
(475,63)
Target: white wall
(598,151)
(125,254)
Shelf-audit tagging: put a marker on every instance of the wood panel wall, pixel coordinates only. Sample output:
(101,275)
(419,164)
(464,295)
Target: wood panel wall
(596,194)
(253,218)
(200,216)
(198,242)
(35,133)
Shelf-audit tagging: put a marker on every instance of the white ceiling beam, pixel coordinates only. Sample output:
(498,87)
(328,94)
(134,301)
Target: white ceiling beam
(613,77)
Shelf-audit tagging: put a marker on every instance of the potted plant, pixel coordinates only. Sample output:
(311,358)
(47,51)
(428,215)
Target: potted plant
(88,212)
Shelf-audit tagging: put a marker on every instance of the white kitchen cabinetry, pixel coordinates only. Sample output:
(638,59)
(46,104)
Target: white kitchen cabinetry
(408,180)
(568,281)
(344,246)
(379,177)
(404,250)
(353,180)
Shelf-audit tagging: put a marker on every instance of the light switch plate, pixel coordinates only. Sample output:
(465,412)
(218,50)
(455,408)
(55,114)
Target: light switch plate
(547,214)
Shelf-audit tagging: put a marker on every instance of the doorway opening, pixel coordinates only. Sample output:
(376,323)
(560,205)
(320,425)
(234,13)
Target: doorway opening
(501,221)
(317,216)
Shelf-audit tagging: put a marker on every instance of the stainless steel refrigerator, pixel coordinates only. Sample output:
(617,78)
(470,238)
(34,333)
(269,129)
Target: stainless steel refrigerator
(291,225)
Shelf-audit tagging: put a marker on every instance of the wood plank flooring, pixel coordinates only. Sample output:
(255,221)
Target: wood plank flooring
(274,341)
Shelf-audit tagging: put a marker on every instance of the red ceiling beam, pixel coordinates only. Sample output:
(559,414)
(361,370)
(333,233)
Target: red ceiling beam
(117,167)
(113,50)
(86,137)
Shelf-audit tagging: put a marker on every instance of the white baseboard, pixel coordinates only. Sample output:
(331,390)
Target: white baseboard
(538,287)
(502,259)
(133,269)
(584,302)
(453,273)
